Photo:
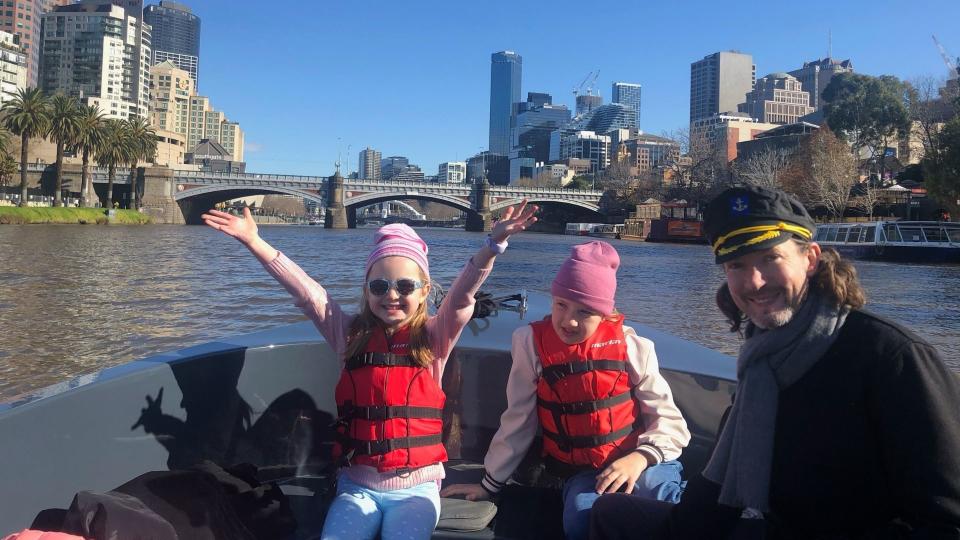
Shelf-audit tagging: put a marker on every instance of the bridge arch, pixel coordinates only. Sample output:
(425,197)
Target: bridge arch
(500,205)
(379,197)
(251,190)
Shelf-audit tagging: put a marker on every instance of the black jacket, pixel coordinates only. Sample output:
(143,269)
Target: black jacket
(867,446)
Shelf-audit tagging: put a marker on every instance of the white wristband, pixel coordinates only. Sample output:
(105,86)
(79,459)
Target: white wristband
(495,247)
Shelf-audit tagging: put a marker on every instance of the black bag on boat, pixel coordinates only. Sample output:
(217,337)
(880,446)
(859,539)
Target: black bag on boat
(484,306)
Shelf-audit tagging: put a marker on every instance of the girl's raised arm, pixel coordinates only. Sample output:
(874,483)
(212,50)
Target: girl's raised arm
(515,219)
(243,229)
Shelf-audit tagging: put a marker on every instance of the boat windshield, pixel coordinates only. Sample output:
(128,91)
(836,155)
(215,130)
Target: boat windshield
(892,232)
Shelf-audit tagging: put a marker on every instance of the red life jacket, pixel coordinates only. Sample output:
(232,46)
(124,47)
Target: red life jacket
(390,408)
(584,396)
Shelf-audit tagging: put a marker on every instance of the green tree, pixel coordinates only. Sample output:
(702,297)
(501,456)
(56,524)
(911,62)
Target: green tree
(27,115)
(113,151)
(580,182)
(941,167)
(88,140)
(8,168)
(142,140)
(64,127)
(870,112)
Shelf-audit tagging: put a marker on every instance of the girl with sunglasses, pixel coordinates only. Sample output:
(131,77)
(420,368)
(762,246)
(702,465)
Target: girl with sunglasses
(593,387)
(388,397)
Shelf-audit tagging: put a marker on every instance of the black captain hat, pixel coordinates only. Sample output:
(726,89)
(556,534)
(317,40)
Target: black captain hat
(744,219)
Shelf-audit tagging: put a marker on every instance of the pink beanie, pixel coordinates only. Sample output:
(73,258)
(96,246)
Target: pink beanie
(398,240)
(589,276)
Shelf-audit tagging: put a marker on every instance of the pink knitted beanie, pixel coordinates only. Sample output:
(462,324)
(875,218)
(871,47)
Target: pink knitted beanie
(401,241)
(589,276)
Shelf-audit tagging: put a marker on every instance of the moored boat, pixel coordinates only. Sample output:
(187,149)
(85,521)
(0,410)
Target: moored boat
(267,399)
(901,241)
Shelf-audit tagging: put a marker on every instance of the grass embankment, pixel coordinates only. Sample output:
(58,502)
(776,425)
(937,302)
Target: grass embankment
(82,216)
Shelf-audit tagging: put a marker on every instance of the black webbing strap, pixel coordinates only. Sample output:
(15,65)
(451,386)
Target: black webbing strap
(382,446)
(587,441)
(387,412)
(380,360)
(584,407)
(556,372)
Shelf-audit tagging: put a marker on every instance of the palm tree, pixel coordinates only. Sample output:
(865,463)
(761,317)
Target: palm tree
(143,144)
(115,150)
(5,137)
(64,127)
(88,141)
(27,115)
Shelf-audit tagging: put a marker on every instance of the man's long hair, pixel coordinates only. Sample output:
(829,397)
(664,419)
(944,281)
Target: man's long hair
(835,279)
(366,323)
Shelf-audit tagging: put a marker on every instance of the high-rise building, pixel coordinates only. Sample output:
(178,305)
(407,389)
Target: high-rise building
(392,166)
(606,118)
(452,172)
(505,73)
(170,91)
(587,103)
(176,35)
(778,98)
(13,67)
(22,19)
(534,119)
(97,52)
(719,134)
(648,152)
(369,164)
(627,94)
(719,83)
(816,75)
(209,123)
(586,145)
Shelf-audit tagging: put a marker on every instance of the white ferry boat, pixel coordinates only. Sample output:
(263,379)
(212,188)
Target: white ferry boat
(607,230)
(904,241)
(580,229)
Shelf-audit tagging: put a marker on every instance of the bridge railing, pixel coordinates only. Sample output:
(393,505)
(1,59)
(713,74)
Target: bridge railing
(249,176)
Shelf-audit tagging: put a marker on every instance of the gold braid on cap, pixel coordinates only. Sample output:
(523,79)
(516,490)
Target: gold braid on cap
(770,231)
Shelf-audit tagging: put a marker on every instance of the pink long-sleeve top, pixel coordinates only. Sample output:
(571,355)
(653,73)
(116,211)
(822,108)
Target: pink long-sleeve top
(666,431)
(443,330)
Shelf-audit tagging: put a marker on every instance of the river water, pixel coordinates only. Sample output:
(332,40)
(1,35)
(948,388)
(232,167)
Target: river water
(76,299)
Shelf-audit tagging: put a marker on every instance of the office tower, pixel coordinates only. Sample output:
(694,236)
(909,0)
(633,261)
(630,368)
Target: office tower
(392,166)
(176,36)
(719,134)
(534,120)
(452,172)
(369,164)
(505,74)
(586,145)
(13,67)
(816,75)
(170,91)
(538,99)
(22,19)
(719,83)
(96,52)
(778,98)
(627,94)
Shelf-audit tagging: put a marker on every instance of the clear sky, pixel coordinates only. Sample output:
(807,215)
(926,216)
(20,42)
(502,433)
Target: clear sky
(308,79)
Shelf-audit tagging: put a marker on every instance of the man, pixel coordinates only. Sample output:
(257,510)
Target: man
(844,425)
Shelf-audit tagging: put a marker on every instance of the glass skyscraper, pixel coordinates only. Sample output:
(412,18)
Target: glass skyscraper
(176,36)
(505,73)
(627,94)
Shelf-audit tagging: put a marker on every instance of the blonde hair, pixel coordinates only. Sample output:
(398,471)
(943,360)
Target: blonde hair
(366,323)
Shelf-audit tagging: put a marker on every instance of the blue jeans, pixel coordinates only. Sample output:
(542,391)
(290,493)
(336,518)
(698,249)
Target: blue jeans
(360,513)
(660,482)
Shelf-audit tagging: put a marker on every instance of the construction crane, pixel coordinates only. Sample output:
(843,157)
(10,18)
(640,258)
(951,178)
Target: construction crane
(593,81)
(952,65)
(578,88)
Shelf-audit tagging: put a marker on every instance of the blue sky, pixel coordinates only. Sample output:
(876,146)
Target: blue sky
(413,77)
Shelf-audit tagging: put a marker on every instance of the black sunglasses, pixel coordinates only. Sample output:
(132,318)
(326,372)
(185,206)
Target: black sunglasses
(404,286)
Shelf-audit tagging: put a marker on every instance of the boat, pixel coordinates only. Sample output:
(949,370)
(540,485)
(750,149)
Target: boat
(901,241)
(267,398)
(580,229)
(607,230)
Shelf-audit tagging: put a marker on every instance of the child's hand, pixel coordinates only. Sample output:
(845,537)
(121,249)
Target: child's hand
(622,473)
(471,492)
(515,219)
(243,229)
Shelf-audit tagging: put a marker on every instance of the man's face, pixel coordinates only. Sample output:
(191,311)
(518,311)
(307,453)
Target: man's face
(768,286)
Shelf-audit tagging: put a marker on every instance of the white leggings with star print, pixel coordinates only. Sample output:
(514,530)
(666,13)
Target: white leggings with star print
(358,513)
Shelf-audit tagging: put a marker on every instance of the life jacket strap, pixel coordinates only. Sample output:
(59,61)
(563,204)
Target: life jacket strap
(555,373)
(387,412)
(584,407)
(382,446)
(377,359)
(567,442)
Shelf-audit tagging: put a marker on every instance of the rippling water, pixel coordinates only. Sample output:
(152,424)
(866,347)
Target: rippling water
(75,299)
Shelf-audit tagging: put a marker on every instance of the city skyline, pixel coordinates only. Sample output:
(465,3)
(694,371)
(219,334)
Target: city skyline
(428,98)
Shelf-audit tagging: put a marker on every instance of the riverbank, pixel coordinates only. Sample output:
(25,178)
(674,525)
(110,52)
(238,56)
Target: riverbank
(12,215)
